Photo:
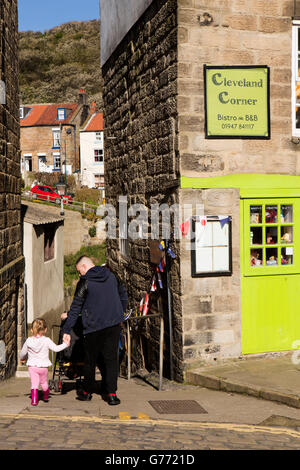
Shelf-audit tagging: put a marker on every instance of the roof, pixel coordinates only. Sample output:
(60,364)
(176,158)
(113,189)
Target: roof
(46,114)
(38,215)
(94,124)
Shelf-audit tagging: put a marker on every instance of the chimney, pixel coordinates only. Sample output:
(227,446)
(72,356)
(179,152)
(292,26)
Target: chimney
(93,107)
(82,97)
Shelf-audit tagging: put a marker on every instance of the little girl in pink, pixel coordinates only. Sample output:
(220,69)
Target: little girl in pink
(37,348)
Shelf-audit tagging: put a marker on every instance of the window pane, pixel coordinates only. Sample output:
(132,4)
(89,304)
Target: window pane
(256,236)
(255,214)
(271,235)
(271,214)
(287,234)
(220,259)
(256,257)
(286,214)
(287,255)
(271,256)
(204,260)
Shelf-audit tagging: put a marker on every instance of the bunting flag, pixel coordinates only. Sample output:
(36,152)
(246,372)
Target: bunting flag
(185,228)
(153,285)
(146,305)
(171,253)
(162,265)
(141,306)
(128,314)
(161,246)
(159,278)
(223,220)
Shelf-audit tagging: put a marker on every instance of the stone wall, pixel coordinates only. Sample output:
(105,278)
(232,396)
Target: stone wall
(11,259)
(227,32)
(141,162)
(39,139)
(239,32)
(211,305)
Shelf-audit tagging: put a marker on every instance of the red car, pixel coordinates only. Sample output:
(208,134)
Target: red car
(47,193)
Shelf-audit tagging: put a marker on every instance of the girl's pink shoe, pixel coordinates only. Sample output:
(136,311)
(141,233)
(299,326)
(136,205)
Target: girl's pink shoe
(46,395)
(34,396)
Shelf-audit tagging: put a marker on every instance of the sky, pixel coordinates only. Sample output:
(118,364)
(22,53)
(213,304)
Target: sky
(39,15)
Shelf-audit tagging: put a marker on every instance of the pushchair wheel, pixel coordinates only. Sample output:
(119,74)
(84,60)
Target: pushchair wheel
(55,385)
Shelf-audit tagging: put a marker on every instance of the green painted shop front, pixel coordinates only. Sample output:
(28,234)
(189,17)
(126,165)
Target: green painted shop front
(269,258)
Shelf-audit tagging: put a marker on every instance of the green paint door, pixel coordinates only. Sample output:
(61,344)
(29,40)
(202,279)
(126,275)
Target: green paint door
(270,269)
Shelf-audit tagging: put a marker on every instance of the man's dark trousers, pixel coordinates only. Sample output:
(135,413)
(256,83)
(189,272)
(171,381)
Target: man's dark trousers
(102,347)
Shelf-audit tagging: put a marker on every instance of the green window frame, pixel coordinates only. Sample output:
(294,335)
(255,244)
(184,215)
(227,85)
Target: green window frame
(270,236)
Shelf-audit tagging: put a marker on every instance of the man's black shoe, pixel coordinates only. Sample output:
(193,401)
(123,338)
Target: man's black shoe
(83,396)
(111,399)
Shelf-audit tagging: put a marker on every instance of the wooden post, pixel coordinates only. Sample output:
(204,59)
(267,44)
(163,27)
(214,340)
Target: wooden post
(128,352)
(161,351)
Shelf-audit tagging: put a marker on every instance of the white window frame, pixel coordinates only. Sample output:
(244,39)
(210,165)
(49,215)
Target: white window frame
(96,155)
(61,114)
(295,75)
(56,156)
(56,136)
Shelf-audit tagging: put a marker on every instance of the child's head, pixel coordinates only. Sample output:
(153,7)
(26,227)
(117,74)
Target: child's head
(38,327)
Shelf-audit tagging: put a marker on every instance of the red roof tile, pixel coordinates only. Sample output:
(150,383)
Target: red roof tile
(46,114)
(95,123)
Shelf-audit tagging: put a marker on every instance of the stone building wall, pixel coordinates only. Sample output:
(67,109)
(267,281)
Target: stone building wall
(11,258)
(141,160)
(238,32)
(241,32)
(39,139)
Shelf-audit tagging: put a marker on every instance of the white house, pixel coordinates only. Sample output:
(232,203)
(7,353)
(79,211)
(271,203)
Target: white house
(92,152)
(43,248)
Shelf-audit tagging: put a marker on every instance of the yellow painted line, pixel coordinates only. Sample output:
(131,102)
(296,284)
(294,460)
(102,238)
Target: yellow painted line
(143,416)
(246,428)
(124,415)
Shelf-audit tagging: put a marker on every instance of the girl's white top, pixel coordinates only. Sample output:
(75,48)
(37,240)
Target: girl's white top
(37,348)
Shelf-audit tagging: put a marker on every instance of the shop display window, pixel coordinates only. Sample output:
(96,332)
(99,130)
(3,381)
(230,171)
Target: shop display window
(255,214)
(268,234)
(286,214)
(271,214)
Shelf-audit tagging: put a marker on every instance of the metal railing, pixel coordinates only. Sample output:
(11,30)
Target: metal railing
(73,205)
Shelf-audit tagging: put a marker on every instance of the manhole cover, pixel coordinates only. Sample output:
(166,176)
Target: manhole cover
(177,407)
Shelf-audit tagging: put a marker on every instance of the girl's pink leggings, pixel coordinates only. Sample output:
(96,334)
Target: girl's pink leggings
(38,375)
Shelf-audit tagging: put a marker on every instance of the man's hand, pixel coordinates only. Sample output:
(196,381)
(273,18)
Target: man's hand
(67,339)
(64,315)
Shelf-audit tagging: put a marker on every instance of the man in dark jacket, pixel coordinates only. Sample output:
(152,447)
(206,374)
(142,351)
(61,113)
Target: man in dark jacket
(101,300)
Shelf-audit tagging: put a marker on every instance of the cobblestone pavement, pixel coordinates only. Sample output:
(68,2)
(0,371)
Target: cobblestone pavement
(33,432)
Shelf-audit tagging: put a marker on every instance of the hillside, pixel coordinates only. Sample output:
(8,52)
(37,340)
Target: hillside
(54,65)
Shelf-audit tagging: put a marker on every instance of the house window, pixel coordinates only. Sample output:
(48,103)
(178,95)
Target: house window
(61,114)
(56,138)
(56,161)
(296,80)
(49,239)
(28,166)
(99,136)
(98,155)
(99,181)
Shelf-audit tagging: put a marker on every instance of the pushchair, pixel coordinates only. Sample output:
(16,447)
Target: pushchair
(69,363)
